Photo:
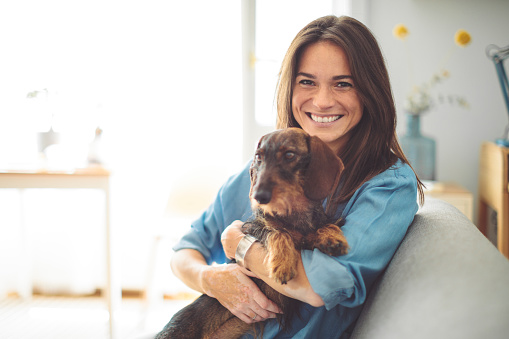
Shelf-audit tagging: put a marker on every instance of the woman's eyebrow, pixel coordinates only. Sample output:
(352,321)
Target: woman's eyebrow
(307,75)
(337,77)
(341,77)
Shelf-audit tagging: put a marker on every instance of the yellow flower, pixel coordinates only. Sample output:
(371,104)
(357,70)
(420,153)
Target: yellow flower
(423,98)
(400,31)
(462,38)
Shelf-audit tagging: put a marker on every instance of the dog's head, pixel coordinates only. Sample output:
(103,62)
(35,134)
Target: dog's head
(290,168)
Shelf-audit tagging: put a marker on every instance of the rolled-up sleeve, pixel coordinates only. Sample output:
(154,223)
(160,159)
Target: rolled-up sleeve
(376,220)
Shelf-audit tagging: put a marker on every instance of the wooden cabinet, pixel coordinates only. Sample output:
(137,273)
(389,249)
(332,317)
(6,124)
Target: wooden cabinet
(494,192)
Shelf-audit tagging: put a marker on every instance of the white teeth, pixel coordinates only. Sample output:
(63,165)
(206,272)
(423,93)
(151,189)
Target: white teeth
(325,119)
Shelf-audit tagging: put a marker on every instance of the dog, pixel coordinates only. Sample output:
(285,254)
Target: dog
(291,174)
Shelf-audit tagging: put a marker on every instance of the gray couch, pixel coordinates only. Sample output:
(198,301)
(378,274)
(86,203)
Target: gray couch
(445,281)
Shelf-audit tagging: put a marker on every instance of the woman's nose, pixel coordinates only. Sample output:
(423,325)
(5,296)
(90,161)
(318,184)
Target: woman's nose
(323,98)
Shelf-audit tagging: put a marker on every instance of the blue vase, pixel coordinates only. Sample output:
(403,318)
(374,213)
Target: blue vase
(419,149)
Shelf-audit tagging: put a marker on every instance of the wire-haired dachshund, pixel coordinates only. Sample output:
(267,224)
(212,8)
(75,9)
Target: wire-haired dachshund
(292,172)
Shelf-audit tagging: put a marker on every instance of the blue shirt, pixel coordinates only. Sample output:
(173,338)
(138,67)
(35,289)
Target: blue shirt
(376,220)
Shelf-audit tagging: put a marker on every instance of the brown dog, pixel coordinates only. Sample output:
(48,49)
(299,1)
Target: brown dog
(291,174)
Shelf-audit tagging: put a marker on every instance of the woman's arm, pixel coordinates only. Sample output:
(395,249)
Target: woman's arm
(227,283)
(297,288)
(187,265)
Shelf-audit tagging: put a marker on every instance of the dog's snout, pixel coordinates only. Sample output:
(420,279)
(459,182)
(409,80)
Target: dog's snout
(263,196)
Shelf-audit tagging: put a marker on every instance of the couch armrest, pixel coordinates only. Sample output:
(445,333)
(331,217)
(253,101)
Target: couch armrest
(445,281)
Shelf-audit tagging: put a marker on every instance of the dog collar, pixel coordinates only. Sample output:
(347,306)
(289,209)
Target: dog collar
(245,243)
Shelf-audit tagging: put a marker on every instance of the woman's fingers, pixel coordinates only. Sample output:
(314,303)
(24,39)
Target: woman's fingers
(239,294)
(265,307)
(259,308)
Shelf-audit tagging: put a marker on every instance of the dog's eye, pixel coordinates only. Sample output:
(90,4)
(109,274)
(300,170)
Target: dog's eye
(289,155)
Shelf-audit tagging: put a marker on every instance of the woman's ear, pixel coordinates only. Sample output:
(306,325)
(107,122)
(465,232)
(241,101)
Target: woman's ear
(324,170)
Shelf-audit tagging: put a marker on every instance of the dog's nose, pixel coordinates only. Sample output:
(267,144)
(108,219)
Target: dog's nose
(263,196)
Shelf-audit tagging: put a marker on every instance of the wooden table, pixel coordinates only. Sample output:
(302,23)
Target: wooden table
(90,178)
(494,191)
(454,194)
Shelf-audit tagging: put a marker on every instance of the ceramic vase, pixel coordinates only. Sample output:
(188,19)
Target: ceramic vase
(46,139)
(419,149)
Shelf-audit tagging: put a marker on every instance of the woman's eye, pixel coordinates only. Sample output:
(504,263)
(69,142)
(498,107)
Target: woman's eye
(344,86)
(306,82)
(258,158)
(289,155)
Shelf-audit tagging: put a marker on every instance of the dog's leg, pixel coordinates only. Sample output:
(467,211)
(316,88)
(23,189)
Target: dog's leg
(232,329)
(283,257)
(197,320)
(329,240)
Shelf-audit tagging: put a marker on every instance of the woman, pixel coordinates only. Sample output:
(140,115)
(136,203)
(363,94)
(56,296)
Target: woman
(333,84)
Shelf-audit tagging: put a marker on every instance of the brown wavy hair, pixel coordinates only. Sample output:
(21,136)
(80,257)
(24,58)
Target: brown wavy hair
(373,146)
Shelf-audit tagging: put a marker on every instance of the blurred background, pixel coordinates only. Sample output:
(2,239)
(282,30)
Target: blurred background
(171,97)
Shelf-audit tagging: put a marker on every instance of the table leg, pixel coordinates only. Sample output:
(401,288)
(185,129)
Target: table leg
(113,289)
(25,288)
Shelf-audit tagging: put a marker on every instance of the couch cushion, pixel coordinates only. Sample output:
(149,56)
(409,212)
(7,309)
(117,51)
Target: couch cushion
(445,281)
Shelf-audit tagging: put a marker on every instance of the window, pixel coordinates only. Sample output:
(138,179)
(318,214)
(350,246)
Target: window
(162,80)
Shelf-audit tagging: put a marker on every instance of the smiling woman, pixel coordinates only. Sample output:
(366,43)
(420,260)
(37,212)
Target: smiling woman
(334,71)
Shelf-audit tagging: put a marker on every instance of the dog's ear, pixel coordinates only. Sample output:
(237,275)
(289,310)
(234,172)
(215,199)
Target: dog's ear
(252,168)
(324,170)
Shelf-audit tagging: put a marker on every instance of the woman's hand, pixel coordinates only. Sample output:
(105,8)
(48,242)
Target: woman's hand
(227,283)
(238,293)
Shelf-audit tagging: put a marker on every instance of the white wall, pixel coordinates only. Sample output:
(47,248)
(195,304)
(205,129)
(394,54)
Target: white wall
(432,24)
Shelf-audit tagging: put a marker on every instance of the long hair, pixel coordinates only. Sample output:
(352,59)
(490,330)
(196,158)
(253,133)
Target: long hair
(373,146)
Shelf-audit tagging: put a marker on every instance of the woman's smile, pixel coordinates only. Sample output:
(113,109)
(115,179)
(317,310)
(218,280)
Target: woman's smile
(324,118)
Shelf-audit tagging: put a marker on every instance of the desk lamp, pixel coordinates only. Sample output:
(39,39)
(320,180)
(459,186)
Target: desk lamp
(498,55)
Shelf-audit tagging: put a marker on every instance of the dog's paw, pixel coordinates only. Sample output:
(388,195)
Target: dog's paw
(283,257)
(331,241)
(283,275)
(334,248)
(283,266)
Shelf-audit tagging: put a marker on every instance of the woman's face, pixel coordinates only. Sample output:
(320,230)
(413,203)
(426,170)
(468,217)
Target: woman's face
(325,101)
